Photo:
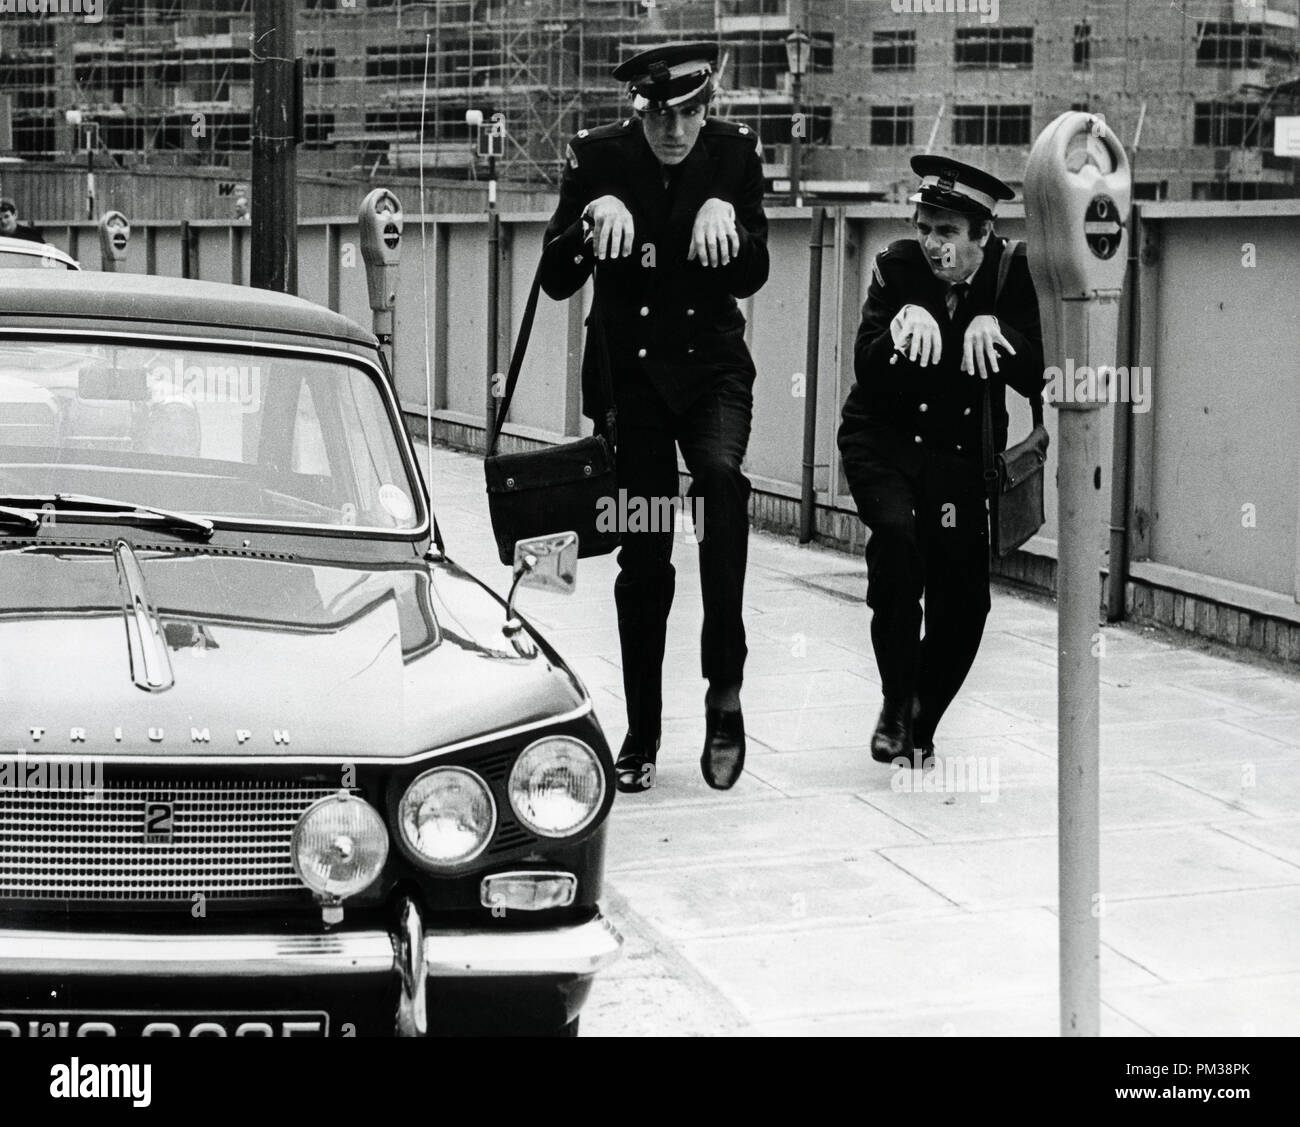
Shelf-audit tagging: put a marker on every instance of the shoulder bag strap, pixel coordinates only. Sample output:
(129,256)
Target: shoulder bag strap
(517,362)
(1014,247)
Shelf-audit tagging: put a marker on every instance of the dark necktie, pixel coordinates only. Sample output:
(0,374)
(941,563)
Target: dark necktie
(955,296)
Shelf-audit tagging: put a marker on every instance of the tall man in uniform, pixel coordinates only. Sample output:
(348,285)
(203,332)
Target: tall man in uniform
(935,336)
(666,205)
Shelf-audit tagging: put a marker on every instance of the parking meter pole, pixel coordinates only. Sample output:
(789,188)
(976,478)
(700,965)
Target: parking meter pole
(493,298)
(1078,190)
(1078,586)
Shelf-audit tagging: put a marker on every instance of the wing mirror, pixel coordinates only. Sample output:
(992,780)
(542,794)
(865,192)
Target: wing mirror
(546,562)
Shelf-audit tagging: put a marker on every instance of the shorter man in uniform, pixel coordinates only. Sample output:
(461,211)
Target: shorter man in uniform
(10,228)
(936,336)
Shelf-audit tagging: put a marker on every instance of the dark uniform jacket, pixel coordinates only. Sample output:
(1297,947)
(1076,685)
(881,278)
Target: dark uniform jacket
(897,412)
(26,231)
(673,320)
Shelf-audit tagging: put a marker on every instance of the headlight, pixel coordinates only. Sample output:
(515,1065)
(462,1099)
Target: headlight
(556,786)
(339,845)
(447,816)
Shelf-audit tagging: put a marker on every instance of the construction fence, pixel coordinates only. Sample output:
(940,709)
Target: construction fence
(1209,438)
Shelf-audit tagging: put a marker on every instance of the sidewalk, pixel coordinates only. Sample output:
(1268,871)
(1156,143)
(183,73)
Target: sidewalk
(821,896)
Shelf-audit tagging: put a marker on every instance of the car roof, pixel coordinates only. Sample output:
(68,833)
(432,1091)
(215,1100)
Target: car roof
(36,250)
(65,296)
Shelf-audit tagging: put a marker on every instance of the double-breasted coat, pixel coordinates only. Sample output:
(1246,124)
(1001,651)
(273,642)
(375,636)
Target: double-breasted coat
(674,321)
(911,441)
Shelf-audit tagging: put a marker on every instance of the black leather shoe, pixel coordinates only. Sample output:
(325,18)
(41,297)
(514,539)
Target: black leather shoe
(724,748)
(893,735)
(634,769)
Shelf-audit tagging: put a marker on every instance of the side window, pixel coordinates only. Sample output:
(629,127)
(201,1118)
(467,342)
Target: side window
(308,455)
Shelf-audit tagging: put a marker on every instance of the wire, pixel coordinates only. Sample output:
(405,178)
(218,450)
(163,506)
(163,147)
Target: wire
(424,271)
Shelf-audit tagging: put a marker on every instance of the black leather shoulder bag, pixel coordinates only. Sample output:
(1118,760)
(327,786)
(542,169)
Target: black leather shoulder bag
(1014,477)
(570,487)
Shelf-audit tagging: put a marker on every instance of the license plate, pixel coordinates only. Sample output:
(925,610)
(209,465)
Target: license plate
(193,1023)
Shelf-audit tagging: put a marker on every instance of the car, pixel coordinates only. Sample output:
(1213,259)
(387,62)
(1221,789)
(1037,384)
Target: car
(23,254)
(271,762)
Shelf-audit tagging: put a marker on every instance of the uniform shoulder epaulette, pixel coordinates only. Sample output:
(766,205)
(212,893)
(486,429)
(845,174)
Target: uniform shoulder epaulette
(902,251)
(599,133)
(720,127)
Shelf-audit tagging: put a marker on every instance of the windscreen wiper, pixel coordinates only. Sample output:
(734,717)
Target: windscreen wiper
(9,515)
(32,506)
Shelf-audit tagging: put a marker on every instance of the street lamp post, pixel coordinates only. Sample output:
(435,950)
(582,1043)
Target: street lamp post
(491,137)
(797,49)
(87,130)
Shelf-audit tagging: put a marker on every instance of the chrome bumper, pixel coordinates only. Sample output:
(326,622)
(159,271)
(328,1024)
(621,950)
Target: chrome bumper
(579,950)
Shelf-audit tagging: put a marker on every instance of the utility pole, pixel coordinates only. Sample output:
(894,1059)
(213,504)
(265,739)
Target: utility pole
(277,114)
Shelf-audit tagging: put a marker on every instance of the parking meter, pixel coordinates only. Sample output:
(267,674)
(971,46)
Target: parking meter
(1078,189)
(114,234)
(380,220)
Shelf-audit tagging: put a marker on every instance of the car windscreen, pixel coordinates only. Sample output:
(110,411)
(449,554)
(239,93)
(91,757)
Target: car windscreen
(239,436)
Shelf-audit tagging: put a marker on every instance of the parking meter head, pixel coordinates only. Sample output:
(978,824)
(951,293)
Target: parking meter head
(1078,193)
(114,235)
(380,221)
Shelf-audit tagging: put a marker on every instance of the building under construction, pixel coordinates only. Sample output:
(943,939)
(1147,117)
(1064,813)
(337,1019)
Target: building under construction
(387,83)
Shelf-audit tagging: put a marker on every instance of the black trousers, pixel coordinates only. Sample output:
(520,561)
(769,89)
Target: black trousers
(929,539)
(713,433)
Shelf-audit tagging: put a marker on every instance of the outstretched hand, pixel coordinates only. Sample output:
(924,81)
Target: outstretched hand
(714,238)
(611,227)
(979,346)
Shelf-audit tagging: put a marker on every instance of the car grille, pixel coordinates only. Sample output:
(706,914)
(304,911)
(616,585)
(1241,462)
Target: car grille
(229,840)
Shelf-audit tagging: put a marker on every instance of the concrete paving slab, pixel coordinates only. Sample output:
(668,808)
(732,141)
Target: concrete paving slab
(1026,809)
(692,901)
(1190,859)
(652,991)
(1159,702)
(833,825)
(1157,745)
(851,770)
(1037,1016)
(1279,837)
(1269,788)
(1210,936)
(965,959)
(1242,1007)
(1284,728)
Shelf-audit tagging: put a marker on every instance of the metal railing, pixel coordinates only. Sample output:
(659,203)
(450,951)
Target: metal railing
(1209,493)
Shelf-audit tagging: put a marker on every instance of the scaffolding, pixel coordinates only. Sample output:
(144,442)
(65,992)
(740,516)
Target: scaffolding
(387,83)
